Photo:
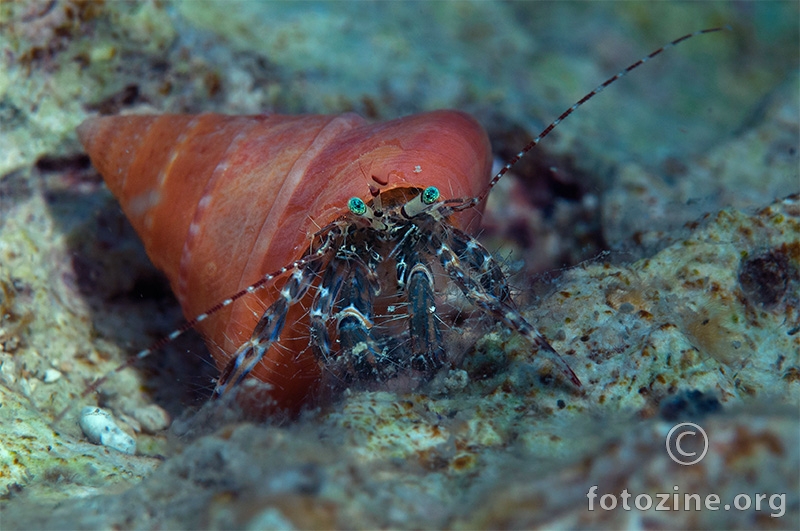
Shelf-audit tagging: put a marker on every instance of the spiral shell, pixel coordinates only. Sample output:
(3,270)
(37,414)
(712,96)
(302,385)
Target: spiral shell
(221,200)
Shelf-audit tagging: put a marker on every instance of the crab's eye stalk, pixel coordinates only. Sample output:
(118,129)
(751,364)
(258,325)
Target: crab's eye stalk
(421,203)
(430,195)
(357,206)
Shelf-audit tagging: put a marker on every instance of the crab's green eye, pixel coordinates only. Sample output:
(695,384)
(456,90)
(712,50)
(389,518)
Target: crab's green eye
(357,206)
(430,195)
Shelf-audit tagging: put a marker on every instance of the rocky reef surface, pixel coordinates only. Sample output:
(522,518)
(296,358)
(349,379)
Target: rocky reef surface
(654,239)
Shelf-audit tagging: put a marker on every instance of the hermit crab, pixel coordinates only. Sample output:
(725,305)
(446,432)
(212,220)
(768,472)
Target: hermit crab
(302,246)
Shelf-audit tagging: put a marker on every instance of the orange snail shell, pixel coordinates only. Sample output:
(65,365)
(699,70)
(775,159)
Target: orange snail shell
(221,200)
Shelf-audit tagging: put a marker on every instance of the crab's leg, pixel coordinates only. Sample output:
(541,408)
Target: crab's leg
(416,278)
(268,329)
(477,258)
(321,308)
(426,340)
(359,350)
(503,310)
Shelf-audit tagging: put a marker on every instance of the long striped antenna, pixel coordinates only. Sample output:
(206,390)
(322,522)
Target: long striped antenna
(474,201)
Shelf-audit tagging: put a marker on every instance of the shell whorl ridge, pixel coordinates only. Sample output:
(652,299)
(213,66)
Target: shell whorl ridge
(220,200)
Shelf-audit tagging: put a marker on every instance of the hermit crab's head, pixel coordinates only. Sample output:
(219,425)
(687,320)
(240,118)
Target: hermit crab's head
(412,203)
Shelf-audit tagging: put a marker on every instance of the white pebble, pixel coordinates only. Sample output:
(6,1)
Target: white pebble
(100,428)
(51,375)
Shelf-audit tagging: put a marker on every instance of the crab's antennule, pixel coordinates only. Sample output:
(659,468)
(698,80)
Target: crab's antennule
(546,131)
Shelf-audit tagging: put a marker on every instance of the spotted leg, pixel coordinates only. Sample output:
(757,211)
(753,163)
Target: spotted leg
(269,328)
(321,309)
(503,310)
(426,339)
(360,352)
(416,278)
(478,259)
